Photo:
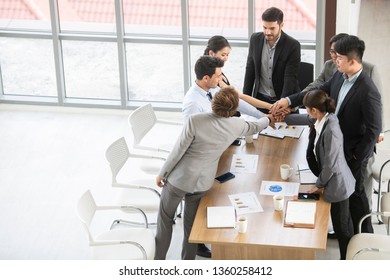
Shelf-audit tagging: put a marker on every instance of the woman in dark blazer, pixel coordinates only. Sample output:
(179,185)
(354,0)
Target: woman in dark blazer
(325,155)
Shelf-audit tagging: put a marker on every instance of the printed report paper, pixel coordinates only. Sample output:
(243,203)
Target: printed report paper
(278,187)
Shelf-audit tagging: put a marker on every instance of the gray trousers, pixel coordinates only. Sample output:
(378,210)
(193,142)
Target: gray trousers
(170,200)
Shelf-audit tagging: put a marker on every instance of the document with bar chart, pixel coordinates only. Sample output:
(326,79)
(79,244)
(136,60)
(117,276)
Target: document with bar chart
(244,163)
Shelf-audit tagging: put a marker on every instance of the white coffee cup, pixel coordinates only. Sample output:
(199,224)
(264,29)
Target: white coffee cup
(242,224)
(249,139)
(286,171)
(278,202)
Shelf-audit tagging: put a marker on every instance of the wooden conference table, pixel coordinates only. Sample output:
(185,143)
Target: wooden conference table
(266,237)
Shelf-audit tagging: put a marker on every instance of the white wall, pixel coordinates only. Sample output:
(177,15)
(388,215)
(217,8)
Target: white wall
(374,29)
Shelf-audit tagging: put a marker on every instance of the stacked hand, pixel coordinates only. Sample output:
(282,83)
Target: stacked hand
(280,109)
(272,119)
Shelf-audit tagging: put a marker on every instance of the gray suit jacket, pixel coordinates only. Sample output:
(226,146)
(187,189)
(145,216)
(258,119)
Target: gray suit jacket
(335,175)
(192,164)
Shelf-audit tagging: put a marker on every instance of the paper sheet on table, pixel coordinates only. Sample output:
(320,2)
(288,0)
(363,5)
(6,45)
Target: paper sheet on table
(305,174)
(283,130)
(245,203)
(221,217)
(278,187)
(242,163)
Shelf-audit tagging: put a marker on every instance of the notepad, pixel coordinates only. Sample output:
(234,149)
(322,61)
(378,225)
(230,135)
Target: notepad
(300,214)
(221,217)
(305,175)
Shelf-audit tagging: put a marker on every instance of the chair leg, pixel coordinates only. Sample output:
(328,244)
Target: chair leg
(379,197)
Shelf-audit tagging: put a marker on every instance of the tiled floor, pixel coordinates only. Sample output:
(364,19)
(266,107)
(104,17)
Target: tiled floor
(48,157)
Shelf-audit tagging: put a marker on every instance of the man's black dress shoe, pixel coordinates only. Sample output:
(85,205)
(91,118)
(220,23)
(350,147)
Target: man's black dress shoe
(332,235)
(203,251)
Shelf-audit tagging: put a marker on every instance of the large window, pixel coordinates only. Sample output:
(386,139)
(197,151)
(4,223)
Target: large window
(228,18)
(118,53)
(91,70)
(27,67)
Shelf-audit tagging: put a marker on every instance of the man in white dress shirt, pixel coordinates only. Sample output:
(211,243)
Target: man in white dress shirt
(197,99)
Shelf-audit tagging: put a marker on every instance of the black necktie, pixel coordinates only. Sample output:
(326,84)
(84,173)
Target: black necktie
(209,96)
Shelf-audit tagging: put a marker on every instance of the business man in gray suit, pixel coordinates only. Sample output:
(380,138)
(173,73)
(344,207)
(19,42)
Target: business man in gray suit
(190,168)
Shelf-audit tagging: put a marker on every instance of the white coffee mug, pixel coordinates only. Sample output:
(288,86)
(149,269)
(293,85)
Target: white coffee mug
(286,171)
(249,139)
(242,224)
(278,202)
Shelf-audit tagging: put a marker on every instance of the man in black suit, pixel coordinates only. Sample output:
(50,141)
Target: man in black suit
(358,108)
(273,60)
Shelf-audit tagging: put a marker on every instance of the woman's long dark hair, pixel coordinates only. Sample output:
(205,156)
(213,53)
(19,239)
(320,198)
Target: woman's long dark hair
(216,43)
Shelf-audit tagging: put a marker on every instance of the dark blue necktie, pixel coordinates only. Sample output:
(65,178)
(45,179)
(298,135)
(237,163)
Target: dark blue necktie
(209,96)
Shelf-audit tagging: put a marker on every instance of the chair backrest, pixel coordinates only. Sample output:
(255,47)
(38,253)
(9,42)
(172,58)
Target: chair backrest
(369,246)
(305,74)
(86,208)
(141,121)
(117,154)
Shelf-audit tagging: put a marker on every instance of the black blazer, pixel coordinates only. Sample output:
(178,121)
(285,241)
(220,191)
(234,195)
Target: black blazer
(359,115)
(285,68)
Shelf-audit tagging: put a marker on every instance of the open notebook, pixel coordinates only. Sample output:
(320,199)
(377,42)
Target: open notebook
(300,214)
(221,217)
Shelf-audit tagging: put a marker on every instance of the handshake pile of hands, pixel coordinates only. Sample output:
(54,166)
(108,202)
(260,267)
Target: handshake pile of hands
(278,111)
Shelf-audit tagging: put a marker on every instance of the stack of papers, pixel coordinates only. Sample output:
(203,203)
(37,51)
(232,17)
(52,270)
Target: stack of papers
(283,130)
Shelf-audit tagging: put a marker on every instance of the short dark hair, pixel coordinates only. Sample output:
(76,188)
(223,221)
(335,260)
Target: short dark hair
(205,66)
(351,46)
(337,37)
(320,100)
(216,43)
(272,14)
(225,102)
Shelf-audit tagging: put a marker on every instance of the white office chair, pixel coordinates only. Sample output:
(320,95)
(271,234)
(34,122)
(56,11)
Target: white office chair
(140,192)
(372,246)
(381,166)
(141,121)
(116,244)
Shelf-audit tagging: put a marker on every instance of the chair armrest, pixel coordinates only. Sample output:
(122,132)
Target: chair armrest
(133,186)
(159,150)
(162,121)
(365,250)
(374,213)
(123,207)
(147,157)
(121,242)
